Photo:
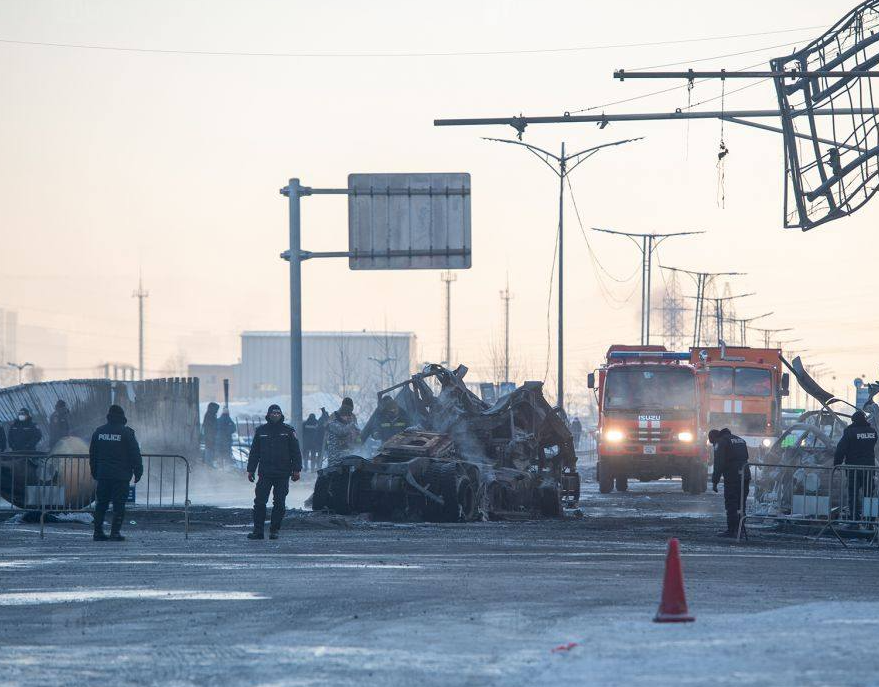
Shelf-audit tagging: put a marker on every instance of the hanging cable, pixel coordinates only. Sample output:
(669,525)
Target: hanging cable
(723,152)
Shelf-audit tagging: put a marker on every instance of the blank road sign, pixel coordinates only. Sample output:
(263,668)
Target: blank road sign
(409,221)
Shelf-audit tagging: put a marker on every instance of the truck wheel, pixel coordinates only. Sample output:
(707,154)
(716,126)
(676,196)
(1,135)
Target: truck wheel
(442,481)
(622,483)
(605,479)
(695,481)
(685,482)
(550,501)
(337,493)
(320,499)
(466,500)
(702,480)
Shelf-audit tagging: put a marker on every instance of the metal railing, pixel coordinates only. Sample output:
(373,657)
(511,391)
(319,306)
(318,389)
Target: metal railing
(63,484)
(825,497)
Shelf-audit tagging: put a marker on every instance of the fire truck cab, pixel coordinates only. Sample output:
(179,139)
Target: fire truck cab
(745,391)
(652,418)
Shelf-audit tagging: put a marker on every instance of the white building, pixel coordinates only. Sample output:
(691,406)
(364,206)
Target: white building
(354,364)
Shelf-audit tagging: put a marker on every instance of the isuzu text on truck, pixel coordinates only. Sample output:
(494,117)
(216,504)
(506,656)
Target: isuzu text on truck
(652,418)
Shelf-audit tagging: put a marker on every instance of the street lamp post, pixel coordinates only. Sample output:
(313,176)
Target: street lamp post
(20,367)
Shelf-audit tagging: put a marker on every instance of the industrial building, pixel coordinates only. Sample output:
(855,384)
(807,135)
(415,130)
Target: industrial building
(339,363)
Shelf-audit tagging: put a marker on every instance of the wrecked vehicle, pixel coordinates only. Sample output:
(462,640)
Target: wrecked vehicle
(802,456)
(462,460)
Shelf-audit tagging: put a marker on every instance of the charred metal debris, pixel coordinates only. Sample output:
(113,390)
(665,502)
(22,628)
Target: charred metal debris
(462,459)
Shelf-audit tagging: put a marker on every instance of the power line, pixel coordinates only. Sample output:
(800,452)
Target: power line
(358,55)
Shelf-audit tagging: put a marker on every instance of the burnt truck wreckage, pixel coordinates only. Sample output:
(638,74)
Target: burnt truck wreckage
(462,459)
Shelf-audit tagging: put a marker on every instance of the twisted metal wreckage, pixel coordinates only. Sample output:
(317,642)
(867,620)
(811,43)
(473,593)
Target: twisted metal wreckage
(463,459)
(809,443)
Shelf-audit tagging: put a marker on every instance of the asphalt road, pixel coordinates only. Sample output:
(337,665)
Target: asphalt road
(345,602)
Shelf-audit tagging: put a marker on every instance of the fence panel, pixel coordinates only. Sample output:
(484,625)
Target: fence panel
(63,483)
(828,497)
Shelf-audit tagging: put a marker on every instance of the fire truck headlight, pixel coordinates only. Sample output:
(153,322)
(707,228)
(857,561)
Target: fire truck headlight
(614,435)
(767,442)
(685,436)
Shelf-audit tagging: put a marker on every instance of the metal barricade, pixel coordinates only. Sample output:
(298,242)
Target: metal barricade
(63,483)
(810,495)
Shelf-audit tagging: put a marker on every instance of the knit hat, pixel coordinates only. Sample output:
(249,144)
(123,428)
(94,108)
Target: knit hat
(347,403)
(116,414)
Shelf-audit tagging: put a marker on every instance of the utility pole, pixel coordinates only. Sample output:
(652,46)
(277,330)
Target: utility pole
(20,368)
(767,334)
(743,325)
(702,280)
(506,297)
(447,278)
(140,294)
(559,165)
(718,313)
(648,243)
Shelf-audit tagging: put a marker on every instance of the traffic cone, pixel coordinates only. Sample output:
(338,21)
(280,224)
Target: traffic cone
(673,607)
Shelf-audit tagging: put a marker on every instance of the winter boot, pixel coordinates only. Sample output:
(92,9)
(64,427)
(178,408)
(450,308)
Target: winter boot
(256,534)
(273,534)
(99,533)
(115,529)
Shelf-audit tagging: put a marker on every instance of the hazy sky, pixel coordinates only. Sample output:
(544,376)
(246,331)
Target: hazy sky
(118,161)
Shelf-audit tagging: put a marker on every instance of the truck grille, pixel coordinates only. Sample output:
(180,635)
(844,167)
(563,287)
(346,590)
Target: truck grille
(653,434)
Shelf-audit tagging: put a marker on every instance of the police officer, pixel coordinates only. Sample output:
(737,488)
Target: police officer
(857,447)
(114,457)
(24,435)
(388,420)
(275,453)
(730,459)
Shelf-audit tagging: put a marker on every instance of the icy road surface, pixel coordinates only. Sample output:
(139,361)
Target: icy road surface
(345,602)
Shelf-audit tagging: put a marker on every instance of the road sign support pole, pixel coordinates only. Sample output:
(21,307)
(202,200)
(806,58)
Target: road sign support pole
(560,397)
(294,193)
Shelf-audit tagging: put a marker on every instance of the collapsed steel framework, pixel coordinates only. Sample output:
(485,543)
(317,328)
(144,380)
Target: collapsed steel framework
(826,111)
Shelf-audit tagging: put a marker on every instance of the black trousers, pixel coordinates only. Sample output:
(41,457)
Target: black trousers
(860,486)
(279,485)
(113,491)
(734,500)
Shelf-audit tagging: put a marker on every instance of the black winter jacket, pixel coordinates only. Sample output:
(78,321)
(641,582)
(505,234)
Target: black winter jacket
(274,450)
(730,454)
(114,453)
(24,436)
(857,446)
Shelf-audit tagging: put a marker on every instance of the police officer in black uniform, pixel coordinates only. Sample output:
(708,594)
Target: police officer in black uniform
(114,457)
(275,454)
(730,459)
(24,435)
(857,447)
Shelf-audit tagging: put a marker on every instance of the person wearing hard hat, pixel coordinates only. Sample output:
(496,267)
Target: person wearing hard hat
(731,463)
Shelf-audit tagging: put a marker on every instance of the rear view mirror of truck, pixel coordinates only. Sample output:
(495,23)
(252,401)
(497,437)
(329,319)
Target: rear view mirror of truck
(785,384)
(590,380)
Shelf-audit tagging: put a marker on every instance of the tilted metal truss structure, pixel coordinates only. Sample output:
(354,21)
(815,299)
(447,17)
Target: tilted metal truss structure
(834,173)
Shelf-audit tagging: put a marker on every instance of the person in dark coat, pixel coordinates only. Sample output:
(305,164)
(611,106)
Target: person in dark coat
(59,423)
(24,435)
(388,420)
(311,442)
(275,457)
(576,431)
(342,432)
(209,429)
(225,429)
(857,447)
(114,458)
(322,423)
(730,460)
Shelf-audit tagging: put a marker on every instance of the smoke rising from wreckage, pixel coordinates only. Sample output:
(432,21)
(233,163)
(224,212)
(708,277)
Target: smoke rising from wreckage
(463,458)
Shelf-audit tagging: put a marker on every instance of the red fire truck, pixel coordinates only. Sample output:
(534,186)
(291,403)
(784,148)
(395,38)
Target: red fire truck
(652,418)
(745,392)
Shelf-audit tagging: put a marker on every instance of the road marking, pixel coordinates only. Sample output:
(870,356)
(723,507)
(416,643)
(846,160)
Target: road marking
(87,595)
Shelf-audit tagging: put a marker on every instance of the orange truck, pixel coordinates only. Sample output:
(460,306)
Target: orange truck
(652,418)
(745,389)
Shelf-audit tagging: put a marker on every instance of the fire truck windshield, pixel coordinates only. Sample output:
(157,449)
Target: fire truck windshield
(740,381)
(650,387)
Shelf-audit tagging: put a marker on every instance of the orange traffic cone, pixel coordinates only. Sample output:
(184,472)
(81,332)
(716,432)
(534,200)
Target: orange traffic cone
(673,607)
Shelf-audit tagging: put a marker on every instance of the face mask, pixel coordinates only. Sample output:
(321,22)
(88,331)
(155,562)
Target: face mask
(22,418)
